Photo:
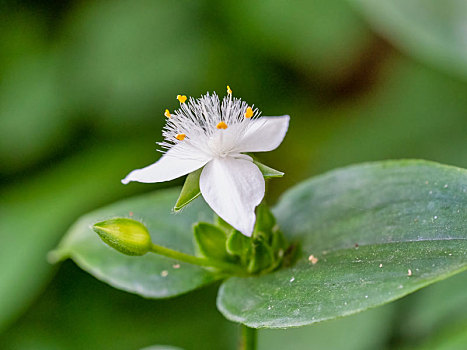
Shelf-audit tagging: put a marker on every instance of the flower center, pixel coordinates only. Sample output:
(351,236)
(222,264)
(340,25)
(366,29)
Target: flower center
(212,126)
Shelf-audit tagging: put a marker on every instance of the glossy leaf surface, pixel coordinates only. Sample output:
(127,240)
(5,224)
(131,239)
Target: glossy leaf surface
(150,275)
(379,231)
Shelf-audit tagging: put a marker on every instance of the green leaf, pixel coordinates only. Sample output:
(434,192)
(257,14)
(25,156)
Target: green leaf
(450,337)
(150,275)
(190,190)
(430,30)
(211,241)
(437,307)
(267,171)
(367,330)
(189,321)
(335,35)
(379,231)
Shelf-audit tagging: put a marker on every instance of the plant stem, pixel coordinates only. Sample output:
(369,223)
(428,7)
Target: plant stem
(249,336)
(170,253)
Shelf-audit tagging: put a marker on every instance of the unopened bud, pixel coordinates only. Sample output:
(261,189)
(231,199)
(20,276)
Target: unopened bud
(128,236)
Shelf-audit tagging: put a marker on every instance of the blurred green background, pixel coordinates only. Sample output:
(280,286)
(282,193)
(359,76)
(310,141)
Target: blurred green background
(83,87)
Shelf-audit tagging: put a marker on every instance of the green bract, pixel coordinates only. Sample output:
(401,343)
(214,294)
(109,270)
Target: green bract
(190,190)
(261,253)
(211,241)
(366,235)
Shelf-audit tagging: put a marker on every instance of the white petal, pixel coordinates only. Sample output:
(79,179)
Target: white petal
(233,188)
(178,161)
(265,134)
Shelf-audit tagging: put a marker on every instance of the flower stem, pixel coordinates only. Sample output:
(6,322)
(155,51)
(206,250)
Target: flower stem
(249,338)
(191,259)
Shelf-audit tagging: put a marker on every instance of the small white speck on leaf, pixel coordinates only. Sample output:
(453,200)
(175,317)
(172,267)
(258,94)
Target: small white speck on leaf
(164,273)
(446,186)
(366,296)
(380,265)
(176,266)
(409,272)
(292,279)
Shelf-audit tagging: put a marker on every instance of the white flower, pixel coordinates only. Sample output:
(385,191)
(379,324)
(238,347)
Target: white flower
(205,132)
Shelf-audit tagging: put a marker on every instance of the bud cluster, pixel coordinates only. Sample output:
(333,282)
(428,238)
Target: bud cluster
(263,252)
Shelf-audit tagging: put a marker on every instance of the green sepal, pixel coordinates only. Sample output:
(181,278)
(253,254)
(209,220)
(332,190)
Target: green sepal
(265,222)
(238,244)
(279,244)
(190,190)
(261,258)
(267,171)
(211,241)
(279,249)
(128,236)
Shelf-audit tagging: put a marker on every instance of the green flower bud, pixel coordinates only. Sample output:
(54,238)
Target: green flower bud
(128,236)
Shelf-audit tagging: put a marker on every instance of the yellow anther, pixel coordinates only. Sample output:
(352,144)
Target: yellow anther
(181,98)
(222,125)
(248,113)
(180,137)
(229,90)
(167,113)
